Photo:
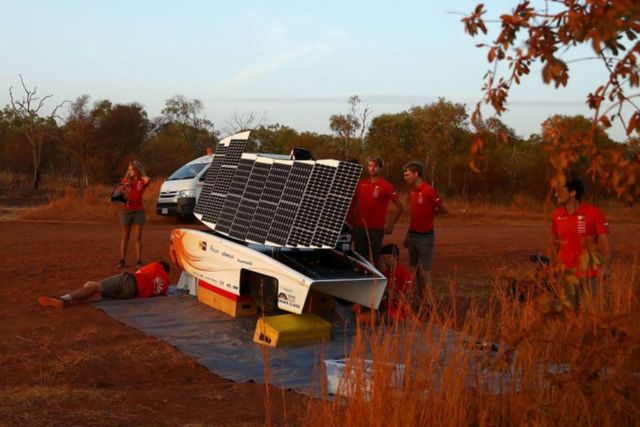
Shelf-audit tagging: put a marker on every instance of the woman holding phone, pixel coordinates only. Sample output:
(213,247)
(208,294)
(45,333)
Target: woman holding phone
(132,216)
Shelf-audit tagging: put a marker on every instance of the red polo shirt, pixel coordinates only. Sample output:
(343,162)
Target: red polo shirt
(151,280)
(423,201)
(398,286)
(575,231)
(135,188)
(373,199)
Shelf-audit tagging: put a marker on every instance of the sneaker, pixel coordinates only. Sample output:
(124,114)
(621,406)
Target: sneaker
(121,263)
(51,302)
(139,264)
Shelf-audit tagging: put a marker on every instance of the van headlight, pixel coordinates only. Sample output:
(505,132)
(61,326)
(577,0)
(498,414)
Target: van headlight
(187,193)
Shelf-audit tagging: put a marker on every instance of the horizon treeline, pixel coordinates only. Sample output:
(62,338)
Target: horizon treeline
(91,143)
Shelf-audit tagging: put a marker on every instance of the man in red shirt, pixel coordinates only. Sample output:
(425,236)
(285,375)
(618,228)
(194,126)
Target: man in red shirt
(578,229)
(149,281)
(372,199)
(395,300)
(424,202)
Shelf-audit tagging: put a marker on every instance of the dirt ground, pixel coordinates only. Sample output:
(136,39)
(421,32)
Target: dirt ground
(78,366)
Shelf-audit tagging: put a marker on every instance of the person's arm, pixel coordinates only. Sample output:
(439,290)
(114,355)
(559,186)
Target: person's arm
(607,253)
(441,208)
(388,228)
(146,180)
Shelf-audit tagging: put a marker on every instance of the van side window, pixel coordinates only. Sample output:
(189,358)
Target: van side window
(204,175)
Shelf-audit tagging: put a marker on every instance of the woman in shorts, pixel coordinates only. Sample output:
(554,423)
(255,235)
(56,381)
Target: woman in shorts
(132,215)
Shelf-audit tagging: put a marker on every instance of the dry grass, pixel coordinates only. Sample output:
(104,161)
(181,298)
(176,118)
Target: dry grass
(63,202)
(553,365)
(91,205)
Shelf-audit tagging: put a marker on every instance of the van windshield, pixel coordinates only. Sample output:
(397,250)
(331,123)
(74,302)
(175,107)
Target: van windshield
(187,171)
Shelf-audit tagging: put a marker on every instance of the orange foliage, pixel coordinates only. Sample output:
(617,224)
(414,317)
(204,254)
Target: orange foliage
(611,29)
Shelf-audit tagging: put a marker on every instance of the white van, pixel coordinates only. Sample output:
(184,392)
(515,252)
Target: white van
(180,191)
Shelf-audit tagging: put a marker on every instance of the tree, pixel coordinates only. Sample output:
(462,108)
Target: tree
(184,116)
(441,123)
(120,133)
(36,129)
(346,126)
(239,122)
(274,138)
(78,132)
(609,29)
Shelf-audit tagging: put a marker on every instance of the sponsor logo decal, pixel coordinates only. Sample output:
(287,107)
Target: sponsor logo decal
(227,255)
(203,245)
(290,299)
(158,285)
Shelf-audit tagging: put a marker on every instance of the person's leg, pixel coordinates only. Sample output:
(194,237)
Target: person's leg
(426,254)
(138,222)
(87,291)
(137,239)
(423,248)
(376,238)
(125,231)
(361,242)
(414,262)
(119,286)
(83,294)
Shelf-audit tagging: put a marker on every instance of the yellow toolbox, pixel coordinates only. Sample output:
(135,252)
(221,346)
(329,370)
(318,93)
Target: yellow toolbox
(291,329)
(226,302)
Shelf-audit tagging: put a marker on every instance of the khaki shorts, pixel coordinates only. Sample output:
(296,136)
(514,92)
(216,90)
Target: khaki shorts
(120,286)
(420,248)
(130,218)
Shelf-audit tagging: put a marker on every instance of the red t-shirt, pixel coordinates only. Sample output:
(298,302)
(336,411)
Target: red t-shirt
(574,231)
(423,201)
(135,188)
(373,199)
(151,280)
(398,286)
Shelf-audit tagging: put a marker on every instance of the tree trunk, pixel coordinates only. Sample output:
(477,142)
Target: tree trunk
(36,168)
(36,179)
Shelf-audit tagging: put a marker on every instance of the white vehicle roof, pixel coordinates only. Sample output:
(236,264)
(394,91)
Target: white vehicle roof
(203,159)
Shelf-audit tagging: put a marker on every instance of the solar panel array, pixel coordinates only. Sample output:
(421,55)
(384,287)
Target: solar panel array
(291,203)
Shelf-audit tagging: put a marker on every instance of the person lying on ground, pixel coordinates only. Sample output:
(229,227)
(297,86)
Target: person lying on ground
(149,281)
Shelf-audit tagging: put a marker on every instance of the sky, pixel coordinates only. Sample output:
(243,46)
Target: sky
(284,62)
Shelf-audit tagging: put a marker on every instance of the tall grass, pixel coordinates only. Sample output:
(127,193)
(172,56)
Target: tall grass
(550,364)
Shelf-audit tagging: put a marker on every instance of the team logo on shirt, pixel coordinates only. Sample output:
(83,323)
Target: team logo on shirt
(376,191)
(158,285)
(420,198)
(582,224)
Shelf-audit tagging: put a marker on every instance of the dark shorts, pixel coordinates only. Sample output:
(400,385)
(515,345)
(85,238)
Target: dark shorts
(361,239)
(130,218)
(420,248)
(120,286)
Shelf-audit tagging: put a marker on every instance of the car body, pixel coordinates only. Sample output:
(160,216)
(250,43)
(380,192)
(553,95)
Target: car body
(179,192)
